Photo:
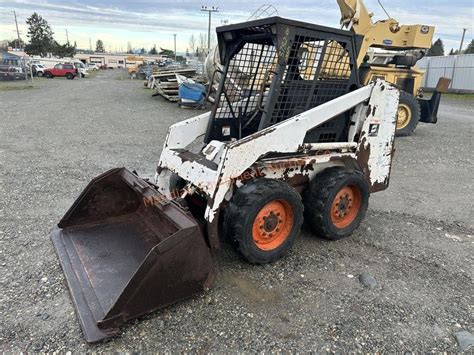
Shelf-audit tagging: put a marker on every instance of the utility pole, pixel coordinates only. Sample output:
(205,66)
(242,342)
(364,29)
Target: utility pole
(90,44)
(17,32)
(209,10)
(67,37)
(462,39)
(174,34)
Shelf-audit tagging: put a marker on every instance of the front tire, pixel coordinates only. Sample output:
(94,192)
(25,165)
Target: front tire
(409,114)
(263,219)
(336,202)
(69,76)
(48,75)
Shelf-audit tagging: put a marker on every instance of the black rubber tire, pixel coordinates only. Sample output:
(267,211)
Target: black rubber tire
(48,75)
(320,194)
(414,106)
(243,209)
(69,76)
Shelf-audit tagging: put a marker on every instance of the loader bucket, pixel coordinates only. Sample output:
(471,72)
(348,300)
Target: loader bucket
(124,257)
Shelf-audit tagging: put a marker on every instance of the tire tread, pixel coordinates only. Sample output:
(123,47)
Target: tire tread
(414,105)
(318,195)
(246,197)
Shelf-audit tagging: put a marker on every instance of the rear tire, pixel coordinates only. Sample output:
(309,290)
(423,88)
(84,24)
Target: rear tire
(69,76)
(409,114)
(336,202)
(263,219)
(48,75)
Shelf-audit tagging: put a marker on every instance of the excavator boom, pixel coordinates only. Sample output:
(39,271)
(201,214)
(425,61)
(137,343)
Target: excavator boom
(386,34)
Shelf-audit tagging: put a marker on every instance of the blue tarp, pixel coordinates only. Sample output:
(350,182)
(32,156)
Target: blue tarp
(195,92)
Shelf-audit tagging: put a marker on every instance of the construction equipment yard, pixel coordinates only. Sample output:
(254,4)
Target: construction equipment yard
(402,282)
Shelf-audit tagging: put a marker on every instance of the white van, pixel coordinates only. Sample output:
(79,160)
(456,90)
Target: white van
(81,68)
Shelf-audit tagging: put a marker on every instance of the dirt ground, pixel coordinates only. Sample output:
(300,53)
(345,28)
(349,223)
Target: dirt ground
(417,240)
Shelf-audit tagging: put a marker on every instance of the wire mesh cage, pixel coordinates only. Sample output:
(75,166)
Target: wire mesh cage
(275,69)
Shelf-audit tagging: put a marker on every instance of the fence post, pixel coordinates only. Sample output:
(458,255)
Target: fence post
(454,72)
(31,71)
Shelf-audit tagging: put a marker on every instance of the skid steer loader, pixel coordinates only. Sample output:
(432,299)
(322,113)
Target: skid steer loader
(288,138)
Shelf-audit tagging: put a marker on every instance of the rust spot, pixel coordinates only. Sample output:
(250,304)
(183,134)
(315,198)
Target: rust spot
(369,110)
(298,182)
(186,155)
(363,155)
(379,186)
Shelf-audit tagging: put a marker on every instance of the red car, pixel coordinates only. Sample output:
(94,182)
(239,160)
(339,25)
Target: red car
(66,69)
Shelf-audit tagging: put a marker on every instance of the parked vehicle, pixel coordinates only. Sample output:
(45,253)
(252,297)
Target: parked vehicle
(67,70)
(93,66)
(8,72)
(81,67)
(38,69)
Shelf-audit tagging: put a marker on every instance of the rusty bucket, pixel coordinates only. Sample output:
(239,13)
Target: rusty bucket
(124,257)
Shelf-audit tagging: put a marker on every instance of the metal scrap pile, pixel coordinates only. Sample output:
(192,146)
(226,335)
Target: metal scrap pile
(166,83)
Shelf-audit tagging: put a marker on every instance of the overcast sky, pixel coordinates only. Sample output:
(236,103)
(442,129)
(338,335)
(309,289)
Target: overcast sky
(148,22)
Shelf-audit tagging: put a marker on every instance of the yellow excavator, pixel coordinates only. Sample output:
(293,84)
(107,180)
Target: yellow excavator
(400,48)
(133,63)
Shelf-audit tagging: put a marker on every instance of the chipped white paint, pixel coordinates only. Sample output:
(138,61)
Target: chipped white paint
(378,133)
(233,158)
(183,133)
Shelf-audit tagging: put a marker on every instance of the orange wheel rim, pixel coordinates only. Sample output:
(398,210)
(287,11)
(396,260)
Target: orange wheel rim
(345,206)
(272,225)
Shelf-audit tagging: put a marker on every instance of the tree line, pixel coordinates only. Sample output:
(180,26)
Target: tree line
(437,49)
(42,43)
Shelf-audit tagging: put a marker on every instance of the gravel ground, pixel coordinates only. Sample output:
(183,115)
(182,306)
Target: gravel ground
(417,240)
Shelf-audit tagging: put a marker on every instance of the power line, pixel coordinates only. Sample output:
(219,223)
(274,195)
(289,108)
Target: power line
(209,10)
(17,31)
(174,34)
(462,39)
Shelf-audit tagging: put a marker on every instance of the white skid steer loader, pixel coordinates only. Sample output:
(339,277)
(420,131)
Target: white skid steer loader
(291,136)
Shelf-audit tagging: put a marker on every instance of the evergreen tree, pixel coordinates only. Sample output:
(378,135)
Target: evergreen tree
(167,52)
(153,50)
(40,35)
(16,44)
(99,46)
(470,48)
(64,50)
(142,51)
(437,49)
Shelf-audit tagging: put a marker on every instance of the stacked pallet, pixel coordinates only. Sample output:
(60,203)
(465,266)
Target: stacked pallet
(166,84)
(168,88)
